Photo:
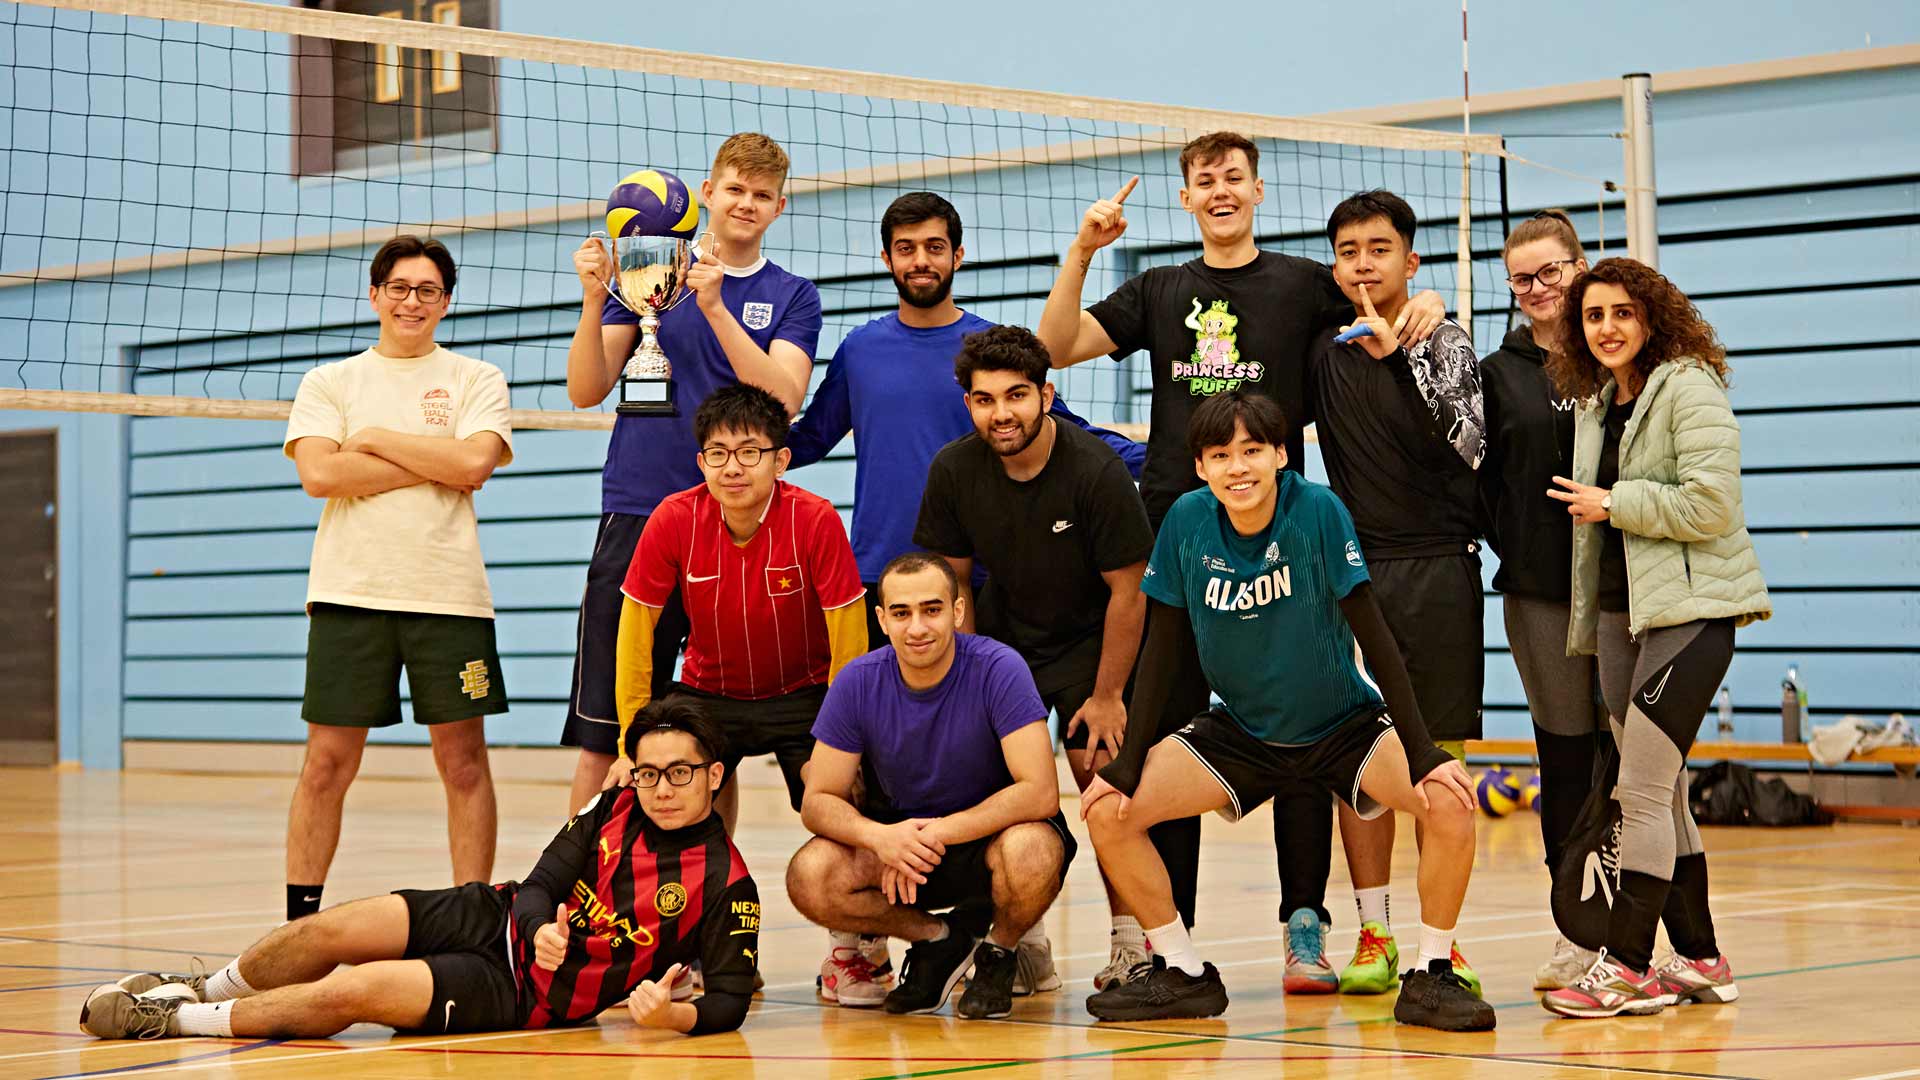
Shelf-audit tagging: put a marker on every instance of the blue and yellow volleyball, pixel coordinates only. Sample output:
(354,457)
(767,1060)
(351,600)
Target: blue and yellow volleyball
(652,202)
(1498,791)
(1530,793)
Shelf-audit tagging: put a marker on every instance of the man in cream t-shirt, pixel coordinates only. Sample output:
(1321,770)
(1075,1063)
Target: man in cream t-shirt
(396,440)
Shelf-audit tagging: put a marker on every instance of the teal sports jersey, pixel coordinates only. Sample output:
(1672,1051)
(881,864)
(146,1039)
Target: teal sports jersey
(1266,609)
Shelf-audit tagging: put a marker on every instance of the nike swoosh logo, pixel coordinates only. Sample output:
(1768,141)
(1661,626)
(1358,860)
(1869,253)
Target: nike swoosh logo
(1652,696)
(310,899)
(1062,526)
(709,577)
(446,1022)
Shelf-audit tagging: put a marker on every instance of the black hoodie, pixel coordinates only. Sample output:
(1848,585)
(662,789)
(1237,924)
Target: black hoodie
(1529,442)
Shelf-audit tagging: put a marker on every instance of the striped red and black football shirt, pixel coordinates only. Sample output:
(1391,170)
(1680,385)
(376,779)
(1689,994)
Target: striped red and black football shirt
(639,900)
(758,628)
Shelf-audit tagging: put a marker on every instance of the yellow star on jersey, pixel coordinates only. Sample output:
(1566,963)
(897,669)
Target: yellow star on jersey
(786,583)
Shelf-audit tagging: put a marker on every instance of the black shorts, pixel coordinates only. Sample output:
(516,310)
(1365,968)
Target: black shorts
(355,655)
(781,726)
(1435,607)
(1066,682)
(462,935)
(593,723)
(963,880)
(1253,771)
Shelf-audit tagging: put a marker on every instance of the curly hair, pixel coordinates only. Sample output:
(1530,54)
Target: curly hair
(1675,329)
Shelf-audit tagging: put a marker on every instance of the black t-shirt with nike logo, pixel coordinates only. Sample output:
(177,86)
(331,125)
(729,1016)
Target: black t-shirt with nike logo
(1044,543)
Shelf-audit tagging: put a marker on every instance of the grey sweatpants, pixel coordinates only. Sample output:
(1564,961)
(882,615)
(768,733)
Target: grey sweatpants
(1559,687)
(1657,691)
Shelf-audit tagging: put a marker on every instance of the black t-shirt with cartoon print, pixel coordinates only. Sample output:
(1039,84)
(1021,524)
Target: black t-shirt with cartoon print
(1207,331)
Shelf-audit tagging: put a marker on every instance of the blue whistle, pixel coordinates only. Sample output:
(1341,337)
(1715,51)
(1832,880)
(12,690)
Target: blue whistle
(1360,331)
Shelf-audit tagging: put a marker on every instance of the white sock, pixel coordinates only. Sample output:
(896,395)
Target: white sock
(842,939)
(227,985)
(1035,935)
(1126,931)
(1435,945)
(940,934)
(1373,906)
(211,1018)
(1173,942)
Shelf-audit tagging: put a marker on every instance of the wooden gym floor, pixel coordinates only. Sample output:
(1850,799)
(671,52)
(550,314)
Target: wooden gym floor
(105,873)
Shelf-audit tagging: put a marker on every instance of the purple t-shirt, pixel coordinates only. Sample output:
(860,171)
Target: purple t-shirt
(935,752)
(651,457)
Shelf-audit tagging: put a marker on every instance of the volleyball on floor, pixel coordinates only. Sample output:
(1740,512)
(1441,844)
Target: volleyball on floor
(1498,791)
(1530,793)
(652,202)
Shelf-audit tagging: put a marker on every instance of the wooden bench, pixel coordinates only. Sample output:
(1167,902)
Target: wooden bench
(1898,756)
(1904,760)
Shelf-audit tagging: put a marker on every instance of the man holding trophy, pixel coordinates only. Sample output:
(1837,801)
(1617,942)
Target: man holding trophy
(742,320)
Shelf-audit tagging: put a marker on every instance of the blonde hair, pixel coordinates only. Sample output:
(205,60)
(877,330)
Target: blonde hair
(752,154)
(1546,225)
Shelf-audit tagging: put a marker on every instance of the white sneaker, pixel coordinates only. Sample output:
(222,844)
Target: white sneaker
(688,985)
(846,978)
(1564,967)
(874,948)
(1033,971)
(1120,964)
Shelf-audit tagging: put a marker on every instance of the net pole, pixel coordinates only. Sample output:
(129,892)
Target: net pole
(1643,229)
(1463,272)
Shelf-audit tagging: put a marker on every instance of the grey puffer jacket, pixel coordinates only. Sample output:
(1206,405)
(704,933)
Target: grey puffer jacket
(1677,502)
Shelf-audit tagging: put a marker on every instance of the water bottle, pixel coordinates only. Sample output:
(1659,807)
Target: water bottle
(1790,705)
(1726,715)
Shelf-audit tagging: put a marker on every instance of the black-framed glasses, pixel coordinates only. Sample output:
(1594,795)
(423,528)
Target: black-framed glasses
(399,291)
(1549,274)
(679,774)
(716,456)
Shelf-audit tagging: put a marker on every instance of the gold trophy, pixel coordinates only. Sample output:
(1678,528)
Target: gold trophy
(649,277)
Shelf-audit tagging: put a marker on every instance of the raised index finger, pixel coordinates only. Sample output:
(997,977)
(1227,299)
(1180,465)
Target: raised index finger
(1366,302)
(1125,190)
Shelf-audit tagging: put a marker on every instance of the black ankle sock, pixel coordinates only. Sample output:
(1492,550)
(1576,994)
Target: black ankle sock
(1689,921)
(302,900)
(1635,919)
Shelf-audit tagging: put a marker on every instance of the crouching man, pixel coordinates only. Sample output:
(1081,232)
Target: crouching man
(950,728)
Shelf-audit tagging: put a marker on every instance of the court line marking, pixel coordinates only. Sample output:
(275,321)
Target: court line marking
(1257,1038)
(226,1054)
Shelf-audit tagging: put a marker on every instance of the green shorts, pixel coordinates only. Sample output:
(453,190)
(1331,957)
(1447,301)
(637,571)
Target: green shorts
(354,657)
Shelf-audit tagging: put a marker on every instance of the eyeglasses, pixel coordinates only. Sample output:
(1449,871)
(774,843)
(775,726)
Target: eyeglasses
(679,774)
(400,290)
(716,456)
(1550,274)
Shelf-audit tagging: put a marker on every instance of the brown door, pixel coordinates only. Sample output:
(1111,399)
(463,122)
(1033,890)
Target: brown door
(29,605)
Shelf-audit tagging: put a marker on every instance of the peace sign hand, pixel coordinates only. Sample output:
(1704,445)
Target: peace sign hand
(1381,343)
(1105,220)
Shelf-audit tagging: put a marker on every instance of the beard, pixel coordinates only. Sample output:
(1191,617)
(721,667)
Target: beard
(1028,433)
(927,297)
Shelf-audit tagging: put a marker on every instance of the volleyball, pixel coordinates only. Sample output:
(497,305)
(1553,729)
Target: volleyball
(1498,791)
(1530,793)
(652,202)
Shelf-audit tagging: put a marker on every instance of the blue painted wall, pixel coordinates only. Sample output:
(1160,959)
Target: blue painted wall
(187,540)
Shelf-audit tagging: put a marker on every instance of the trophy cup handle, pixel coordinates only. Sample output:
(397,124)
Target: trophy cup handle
(613,264)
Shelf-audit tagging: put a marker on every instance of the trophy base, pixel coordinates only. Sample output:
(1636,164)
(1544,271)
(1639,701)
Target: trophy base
(646,397)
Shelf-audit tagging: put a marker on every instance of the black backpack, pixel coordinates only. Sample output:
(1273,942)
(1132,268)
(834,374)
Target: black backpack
(1588,877)
(1728,793)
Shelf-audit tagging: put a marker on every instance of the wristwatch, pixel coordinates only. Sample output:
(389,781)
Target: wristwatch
(1606,502)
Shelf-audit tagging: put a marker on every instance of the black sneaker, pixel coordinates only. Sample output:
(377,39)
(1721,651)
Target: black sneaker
(931,968)
(989,992)
(1438,998)
(1161,993)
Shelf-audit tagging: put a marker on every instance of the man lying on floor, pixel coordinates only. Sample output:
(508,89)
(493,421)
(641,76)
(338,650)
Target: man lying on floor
(496,958)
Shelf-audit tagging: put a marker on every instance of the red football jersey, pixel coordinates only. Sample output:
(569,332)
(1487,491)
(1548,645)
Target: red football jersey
(756,609)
